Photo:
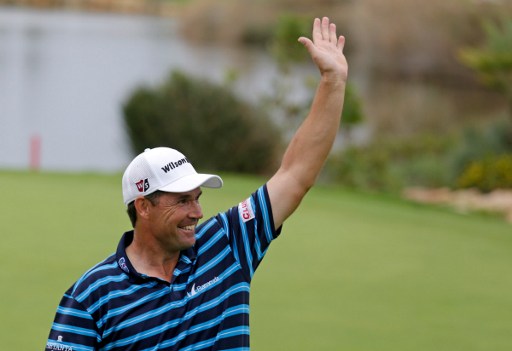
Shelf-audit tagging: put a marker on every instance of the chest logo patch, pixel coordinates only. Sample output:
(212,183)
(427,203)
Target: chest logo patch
(196,289)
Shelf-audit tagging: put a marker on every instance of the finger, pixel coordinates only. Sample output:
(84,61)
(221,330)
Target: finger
(306,42)
(341,42)
(333,38)
(325,28)
(317,31)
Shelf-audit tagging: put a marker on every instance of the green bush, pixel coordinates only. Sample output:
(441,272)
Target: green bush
(390,165)
(362,168)
(494,172)
(480,158)
(207,122)
(477,144)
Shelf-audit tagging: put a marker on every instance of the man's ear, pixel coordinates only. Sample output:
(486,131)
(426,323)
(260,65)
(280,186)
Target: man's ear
(142,206)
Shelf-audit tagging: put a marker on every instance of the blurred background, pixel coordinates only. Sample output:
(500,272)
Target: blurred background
(84,85)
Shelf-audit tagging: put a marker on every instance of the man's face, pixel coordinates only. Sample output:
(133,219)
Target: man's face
(173,219)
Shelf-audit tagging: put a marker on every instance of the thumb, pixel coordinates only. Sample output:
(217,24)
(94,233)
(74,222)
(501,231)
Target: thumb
(306,42)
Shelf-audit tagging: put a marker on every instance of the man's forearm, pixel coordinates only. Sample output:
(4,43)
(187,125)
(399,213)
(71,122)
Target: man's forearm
(313,140)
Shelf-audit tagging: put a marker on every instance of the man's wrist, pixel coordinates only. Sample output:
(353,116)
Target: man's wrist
(334,80)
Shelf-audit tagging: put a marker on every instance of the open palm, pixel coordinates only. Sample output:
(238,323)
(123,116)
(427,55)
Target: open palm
(326,49)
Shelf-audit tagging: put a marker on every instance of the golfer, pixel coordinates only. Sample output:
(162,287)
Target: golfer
(175,285)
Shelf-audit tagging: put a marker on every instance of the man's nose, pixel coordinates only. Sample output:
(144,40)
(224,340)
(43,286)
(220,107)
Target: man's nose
(195,210)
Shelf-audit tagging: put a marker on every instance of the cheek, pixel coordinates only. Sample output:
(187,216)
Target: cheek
(173,215)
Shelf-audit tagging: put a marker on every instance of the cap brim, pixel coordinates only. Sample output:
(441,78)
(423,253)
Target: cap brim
(193,181)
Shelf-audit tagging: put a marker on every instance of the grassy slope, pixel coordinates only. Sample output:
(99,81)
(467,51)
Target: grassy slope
(350,271)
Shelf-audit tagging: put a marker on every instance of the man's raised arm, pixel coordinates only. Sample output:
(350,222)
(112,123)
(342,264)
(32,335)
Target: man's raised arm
(309,148)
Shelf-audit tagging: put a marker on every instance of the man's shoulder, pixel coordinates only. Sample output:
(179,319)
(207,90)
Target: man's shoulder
(243,211)
(99,272)
(205,229)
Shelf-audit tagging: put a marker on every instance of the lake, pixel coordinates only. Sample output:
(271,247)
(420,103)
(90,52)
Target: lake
(64,77)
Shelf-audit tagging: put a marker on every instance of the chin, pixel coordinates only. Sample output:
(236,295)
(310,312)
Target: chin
(187,244)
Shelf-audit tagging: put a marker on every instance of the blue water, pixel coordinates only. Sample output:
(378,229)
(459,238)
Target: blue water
(65,75)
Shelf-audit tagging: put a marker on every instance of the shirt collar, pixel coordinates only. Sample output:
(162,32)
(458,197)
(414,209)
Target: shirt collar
(187,257)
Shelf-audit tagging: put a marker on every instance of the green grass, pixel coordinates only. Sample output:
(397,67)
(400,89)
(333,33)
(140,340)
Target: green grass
(350,271)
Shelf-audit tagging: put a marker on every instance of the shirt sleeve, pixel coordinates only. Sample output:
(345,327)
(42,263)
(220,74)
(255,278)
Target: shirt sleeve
(73,327)
(250,229)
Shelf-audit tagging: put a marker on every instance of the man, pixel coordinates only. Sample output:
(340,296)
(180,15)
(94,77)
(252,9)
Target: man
(174,285)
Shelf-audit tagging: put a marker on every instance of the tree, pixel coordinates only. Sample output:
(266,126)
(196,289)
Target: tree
(493,61)
(207,122)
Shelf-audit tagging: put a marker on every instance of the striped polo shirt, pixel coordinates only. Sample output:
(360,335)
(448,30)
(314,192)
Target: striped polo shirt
(205,307)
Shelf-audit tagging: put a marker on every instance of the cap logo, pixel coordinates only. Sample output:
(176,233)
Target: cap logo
(172,165)
(142,185)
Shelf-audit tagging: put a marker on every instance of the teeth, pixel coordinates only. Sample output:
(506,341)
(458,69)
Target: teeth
(189,227)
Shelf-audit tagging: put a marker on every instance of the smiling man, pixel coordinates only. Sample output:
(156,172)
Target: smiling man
(175,285)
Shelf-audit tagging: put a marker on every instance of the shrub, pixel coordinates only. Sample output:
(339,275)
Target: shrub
(488,174)
(480,143)
(362,168)
(206,122)
(389,165)
(481,158)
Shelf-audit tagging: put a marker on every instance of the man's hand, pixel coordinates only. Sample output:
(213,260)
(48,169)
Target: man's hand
(326,50)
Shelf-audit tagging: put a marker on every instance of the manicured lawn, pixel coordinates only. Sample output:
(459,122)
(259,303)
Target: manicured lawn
(350,272)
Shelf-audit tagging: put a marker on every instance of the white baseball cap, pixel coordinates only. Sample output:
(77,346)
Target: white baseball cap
(163,169)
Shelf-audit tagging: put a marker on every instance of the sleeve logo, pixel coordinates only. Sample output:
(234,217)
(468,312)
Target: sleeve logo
(245,210)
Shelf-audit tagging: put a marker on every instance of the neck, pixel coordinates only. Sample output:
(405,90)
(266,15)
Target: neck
(152,260)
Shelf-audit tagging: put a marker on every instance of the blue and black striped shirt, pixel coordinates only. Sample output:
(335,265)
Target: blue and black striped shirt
(205,307)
